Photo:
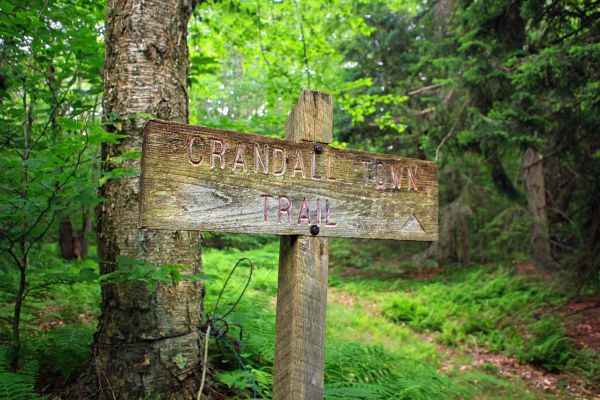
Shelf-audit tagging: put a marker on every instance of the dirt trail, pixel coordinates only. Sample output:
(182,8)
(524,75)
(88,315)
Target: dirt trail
(583,322)
(510,368)
(507,367)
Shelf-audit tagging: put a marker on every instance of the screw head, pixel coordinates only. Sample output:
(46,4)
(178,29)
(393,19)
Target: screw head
(318,148)
(314,230)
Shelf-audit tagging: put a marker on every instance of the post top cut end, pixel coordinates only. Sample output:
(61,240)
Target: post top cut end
(311,119)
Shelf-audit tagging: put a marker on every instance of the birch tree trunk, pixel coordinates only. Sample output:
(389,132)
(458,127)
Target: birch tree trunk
(146,344)
(540,235)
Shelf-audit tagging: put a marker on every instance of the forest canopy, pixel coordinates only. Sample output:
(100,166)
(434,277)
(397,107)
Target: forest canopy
(501,94)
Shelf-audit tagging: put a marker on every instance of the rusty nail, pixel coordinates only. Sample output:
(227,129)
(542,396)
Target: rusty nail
(314,230)
(318,148)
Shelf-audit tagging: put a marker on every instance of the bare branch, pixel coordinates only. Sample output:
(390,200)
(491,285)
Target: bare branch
(424,89)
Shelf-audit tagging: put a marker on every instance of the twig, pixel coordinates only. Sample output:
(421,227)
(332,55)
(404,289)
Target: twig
(424,89)
(425,111)
(437,149)
(204,362)
(109,386)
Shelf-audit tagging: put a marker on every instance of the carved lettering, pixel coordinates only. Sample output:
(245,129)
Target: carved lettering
(193,140)
(304,214)
(266,207)
(240,158)
(298,164)
(313,174)
(204,179)
(217,154)
(380,175)
(396,176)
(285,206)
(384,175)
(281,152)
(412,177)
(329,176)
(258,159)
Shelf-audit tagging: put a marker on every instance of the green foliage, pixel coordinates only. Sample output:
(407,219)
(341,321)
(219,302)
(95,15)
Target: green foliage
(374,256)
(180,360)
(361,371)
(484,307)
(55,323)
(487,307)
(468,84)
(49,98)
(238,241)
(50,63)
(550,350)
(17,385)
(352,368)
(138,271)
(66,349)
(367,356)
(261,48)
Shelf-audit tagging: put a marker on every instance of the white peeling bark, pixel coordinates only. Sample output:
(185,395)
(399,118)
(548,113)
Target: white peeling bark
(141,333)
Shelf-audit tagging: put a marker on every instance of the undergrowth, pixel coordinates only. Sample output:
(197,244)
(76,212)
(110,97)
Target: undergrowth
(353,370)
(372,351)
(57,325)
(367,356)
(20,384)
(488,307)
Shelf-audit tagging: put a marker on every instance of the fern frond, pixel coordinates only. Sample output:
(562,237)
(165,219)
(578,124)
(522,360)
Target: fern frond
(68,348)
(16,387)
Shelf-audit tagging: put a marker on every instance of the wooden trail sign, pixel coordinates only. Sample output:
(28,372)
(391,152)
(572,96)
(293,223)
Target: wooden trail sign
(196,178)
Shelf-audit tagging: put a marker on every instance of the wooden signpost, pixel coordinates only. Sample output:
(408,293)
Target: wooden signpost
(196,178)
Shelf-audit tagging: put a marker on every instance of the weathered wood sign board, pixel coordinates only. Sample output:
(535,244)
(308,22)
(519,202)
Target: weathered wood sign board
(196,178)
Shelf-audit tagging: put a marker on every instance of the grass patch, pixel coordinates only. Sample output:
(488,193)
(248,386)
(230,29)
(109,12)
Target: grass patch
(372,350)
(360,362)
(368,355)
(483,306)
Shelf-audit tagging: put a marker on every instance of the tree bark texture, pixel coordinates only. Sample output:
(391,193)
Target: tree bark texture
(65,239)
(86,228)
(540,235)
(141,334)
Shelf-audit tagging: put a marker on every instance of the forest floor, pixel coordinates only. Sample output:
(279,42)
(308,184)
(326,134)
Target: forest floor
(534,379)
(583,321)
(495,331)
(480,332)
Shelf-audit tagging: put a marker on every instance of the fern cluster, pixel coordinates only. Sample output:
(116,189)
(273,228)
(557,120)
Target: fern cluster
(491,307)
(353,370)
(18,385)
(361,371)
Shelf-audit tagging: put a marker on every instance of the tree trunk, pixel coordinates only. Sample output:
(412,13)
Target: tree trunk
(540,236)
(461,218)
(465,258)
(86,228)
(65,239)
(141,334)
(16,339)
